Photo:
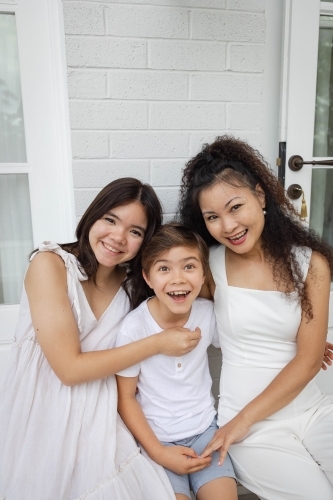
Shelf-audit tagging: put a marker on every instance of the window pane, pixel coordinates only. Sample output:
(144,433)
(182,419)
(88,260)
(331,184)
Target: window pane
(12,138)
(321,214)
(16,240)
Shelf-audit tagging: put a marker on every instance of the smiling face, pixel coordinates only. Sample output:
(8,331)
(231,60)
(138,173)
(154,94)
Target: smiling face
(176,277)
(118,236)
(234,215)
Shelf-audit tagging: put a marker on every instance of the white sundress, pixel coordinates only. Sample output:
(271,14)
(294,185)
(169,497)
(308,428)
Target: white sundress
(69,443)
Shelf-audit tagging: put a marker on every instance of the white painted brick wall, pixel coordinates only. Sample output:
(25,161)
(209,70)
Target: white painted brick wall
(148,85)
(150,81)
(186,56)
(157,22)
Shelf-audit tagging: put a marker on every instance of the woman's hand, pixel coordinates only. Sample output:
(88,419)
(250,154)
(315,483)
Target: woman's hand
(181,460)
(177,341)
(231,432)
(328,356)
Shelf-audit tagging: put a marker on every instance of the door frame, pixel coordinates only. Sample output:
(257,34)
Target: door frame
(40,30)
(298,87)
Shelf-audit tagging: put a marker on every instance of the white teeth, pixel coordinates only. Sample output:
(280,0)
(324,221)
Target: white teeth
(178,293)
(239,236)
(111,248)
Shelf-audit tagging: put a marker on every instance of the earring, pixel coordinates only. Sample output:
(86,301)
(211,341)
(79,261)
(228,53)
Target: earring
(264,211)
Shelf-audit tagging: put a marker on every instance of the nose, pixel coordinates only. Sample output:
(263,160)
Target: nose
(177,277)
(118,235)
(229,224)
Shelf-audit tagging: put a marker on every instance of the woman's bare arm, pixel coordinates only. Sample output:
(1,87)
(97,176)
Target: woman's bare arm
(58,335)
(296,374)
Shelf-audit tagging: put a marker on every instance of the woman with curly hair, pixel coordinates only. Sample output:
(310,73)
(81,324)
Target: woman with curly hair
(270,278)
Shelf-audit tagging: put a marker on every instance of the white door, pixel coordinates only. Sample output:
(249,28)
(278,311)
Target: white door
(307,118)
(36,193)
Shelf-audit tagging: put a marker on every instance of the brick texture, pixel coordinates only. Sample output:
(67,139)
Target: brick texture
(151,81)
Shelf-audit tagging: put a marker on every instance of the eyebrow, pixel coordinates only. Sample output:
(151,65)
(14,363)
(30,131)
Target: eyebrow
(181,260)
(116,217)
(225,206)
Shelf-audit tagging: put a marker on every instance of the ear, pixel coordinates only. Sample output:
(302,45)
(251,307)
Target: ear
(261,195)
(145,277)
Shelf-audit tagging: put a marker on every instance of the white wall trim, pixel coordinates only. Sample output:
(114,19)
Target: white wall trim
(61,106)
(45,104)
(272,75)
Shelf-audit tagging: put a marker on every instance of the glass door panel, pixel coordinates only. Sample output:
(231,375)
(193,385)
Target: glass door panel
(12,137)
(321,211)
(321,217)
(16,240)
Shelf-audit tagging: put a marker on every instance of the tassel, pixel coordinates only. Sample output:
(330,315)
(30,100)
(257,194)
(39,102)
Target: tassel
(304,210)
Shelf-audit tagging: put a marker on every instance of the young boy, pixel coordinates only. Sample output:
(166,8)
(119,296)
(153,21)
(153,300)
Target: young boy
(172,414)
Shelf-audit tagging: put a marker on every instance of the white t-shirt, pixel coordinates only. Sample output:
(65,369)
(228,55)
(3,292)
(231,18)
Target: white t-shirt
(174,393)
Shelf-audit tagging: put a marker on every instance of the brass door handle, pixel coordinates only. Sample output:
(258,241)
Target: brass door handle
(294,191)
(296,162)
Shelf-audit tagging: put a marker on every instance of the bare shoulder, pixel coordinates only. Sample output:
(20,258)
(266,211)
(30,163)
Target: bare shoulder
(45,266)
(319,274)
(319,266)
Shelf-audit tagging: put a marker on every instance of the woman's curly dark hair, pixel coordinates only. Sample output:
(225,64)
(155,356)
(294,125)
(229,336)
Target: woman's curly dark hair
(233,161)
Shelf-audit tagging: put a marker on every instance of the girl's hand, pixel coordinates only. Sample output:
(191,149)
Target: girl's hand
(182,460)
(328,356)
(233,431)
(177,341)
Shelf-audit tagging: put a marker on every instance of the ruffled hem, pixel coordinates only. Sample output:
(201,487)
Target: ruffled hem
(135,479)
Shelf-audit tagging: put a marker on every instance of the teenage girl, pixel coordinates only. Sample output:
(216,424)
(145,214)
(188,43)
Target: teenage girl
(60,436)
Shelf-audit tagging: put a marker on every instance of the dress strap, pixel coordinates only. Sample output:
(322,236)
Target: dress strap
(69,259)
(74,273)
(217,264)
(303,257)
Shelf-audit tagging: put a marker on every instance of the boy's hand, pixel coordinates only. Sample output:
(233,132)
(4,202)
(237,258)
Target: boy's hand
(328,356)
(182,460)
(177,341)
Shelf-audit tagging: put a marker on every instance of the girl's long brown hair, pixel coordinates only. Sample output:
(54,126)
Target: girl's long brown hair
(119,192)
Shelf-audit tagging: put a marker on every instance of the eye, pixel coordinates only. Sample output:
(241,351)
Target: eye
(235,208)
(109,219)
(163,268)
(210,218)
(136,233)
(190,266)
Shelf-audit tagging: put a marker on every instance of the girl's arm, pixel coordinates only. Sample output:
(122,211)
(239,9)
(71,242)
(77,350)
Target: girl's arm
(296,374)
(175,458)
(58,335)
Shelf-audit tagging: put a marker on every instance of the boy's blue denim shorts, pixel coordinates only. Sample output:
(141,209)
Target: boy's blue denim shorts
(192,482)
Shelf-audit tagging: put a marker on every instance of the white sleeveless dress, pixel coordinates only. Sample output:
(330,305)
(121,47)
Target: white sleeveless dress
(66,443)
(288,456)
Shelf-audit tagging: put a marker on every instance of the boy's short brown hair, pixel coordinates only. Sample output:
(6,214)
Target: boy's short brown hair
(170,236)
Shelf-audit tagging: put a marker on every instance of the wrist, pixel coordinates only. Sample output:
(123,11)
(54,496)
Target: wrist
(156,453)
(246,418)
(157,343)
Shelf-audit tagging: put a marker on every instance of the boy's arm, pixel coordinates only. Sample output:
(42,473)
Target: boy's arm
(178,459)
